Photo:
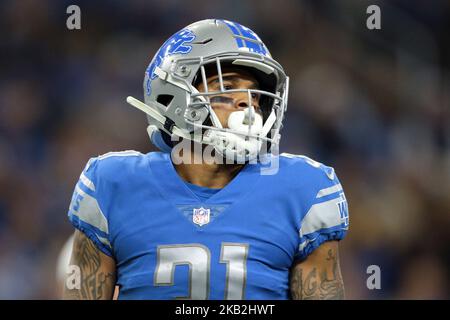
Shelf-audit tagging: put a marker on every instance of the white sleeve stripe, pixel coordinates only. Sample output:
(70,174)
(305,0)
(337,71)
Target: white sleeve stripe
(104,241)
(320,216)
(303,245)
(89,211)
(330,190)
(88,183)
(127,153)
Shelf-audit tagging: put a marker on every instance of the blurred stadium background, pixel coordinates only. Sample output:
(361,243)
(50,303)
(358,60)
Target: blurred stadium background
(373,104)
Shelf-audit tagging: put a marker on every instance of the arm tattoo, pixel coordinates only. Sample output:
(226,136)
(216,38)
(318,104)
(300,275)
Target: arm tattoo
(95,283)
(318,283)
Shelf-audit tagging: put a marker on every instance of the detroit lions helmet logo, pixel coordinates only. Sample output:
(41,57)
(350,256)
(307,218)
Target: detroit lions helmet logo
(178,43)
(246,38)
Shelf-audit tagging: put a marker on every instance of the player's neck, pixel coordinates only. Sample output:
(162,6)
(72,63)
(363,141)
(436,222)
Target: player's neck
(208,175)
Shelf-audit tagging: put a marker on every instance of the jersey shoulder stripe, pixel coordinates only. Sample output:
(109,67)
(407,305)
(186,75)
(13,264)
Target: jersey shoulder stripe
(126,153)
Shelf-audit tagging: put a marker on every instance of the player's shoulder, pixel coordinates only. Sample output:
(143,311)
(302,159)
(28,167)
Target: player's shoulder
(117,164)
(303,172)
(305,166)
(118,159)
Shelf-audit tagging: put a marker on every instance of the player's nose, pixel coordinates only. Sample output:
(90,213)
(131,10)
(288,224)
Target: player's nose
(243,101)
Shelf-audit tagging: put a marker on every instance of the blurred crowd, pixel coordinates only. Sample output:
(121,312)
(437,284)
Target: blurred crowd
(374,104)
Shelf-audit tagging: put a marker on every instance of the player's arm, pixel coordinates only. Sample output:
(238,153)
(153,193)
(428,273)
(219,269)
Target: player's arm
(318,277)
(97,271)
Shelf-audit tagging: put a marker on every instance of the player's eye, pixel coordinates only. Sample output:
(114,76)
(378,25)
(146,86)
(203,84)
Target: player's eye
(255,96)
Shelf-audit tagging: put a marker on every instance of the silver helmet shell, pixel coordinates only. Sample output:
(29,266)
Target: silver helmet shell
(184,58)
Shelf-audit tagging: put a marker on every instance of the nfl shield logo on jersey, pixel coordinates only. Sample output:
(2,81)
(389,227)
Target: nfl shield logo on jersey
(201,216)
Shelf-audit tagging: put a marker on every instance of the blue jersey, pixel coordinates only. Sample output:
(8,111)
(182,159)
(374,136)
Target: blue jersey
(238,243)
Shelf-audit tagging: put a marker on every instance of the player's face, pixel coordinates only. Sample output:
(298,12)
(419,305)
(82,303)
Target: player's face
(224,104)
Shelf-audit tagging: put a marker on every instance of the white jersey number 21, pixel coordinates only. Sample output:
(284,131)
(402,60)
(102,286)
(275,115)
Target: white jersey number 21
(198,257)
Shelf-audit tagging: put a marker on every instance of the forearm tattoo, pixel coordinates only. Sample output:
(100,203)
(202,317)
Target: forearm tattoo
(318,283)
(95,284)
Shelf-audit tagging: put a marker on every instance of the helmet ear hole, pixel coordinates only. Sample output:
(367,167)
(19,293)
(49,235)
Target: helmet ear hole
(166,139)
(164,99)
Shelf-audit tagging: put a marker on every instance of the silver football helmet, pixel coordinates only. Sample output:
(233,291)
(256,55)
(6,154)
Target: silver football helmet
(175,107)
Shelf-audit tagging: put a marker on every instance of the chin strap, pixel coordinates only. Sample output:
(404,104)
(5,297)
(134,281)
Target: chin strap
(269,123)
(152,111)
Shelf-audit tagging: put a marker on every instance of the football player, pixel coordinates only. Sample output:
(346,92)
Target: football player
(209,216)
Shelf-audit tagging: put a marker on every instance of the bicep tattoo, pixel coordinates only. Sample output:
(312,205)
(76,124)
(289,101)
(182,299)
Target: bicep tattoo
(318,282)
(97,282)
